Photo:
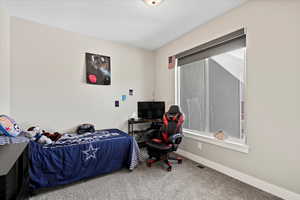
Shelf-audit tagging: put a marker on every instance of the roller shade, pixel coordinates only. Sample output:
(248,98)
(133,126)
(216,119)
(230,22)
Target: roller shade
(229,42)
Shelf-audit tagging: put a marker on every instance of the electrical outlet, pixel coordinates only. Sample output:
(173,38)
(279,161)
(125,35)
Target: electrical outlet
(199,145)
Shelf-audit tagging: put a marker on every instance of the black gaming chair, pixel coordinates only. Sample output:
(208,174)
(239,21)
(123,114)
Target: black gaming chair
(160,145)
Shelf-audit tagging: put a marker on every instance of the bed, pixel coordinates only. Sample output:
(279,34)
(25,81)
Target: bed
(76,157)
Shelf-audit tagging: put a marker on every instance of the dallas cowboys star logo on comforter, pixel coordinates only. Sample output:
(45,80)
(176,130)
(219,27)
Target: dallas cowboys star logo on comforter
(90,152)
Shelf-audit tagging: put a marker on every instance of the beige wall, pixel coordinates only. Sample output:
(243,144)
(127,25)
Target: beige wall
(272,97)
(48,79)
(4,62)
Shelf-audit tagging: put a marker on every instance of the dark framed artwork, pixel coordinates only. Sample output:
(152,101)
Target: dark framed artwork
(171,62)
(98,69)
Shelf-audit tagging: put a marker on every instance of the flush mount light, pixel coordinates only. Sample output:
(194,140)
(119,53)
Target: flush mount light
(153,2)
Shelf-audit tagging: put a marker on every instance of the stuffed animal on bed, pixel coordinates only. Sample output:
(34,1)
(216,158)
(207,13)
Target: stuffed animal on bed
(53,136)
(36,134)
(8,126)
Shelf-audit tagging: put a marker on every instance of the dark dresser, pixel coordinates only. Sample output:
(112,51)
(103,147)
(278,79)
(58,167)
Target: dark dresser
(14,177)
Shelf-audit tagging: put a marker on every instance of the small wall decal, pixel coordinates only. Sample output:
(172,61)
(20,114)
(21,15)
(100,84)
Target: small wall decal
(117,103)
(123,97)
(171,62)
(131,92)
(98,70)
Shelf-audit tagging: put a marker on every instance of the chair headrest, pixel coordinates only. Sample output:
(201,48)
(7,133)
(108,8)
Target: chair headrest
(174,109)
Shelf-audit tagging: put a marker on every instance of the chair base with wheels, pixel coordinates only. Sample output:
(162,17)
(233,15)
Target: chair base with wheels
(166,160)
(159,151)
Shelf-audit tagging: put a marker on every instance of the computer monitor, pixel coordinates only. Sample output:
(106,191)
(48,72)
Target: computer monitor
(151,109)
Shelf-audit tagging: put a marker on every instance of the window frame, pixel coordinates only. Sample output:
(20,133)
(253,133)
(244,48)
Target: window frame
(236,144)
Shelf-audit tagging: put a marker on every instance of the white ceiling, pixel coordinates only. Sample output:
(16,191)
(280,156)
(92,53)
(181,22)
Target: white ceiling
(125,21)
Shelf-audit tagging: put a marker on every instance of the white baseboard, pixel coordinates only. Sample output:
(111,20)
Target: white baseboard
(260,184)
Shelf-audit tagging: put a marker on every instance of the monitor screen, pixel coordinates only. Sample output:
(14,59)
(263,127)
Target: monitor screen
(151,109)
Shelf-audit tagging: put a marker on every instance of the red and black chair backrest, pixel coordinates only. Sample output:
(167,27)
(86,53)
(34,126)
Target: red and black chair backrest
(173,120)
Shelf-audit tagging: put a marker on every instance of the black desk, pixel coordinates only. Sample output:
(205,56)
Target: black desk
(133,131)
(14,177)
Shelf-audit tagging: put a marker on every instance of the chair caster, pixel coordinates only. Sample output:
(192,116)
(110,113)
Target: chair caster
(169,168)
(149,164)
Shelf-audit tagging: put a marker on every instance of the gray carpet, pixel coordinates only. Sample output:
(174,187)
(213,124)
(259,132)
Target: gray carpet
(186,181)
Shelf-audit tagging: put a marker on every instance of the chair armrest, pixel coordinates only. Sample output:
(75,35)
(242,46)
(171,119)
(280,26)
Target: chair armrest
(176,138)
(151,133)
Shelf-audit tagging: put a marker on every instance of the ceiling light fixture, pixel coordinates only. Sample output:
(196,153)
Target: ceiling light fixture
(153,2)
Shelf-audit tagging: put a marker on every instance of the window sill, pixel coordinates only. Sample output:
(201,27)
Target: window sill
(227,143)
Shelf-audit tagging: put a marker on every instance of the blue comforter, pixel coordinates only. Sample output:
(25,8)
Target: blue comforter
(75,157)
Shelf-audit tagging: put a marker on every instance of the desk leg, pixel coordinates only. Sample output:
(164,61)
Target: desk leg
(130,129)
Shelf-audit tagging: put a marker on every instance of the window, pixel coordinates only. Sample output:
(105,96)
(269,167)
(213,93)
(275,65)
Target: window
(210,86)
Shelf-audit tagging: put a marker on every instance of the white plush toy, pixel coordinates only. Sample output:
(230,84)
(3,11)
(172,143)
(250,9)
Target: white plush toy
(36,134)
